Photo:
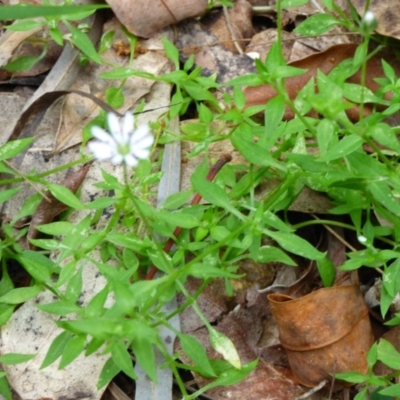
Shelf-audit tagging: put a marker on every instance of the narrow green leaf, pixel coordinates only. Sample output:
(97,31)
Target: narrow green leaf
(195,351)
(20,295)
(296,245)
(110,369)
(223,345)
(344,147)
(382,193)
(56,349)
(8,193)
(14,147)
(75,346)
(326,271)
(388,354)
(83,43)
(317,24)
(65,195)
(16,358)
(20,11)
(122,359)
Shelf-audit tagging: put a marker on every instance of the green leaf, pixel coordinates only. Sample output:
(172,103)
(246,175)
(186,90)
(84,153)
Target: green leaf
(16,358)
(115,97)
(205,271)
(393,390)
(20,295)
(296,245)
(171,51)
(317,24)
(388,354)
(274,112)
(124,240)
(195,351)
(20,11)
(109,371)
(24,63)
(56,349)
(223,345)
(96,304)
(354,377)
(23,26)
(179,218)
(230,377)
(382,193)
(5,387)
(177,200)
(14,147)
(75,346)
(293,3)
(326,271)
(213,193)
(62,308)
(344,147)
(36,264)
(246,80)
(8,193)
(268,254)
(251,151)
(65,195)
(122,359)
(144,353)
(83,43)
(74,287)
(56,228)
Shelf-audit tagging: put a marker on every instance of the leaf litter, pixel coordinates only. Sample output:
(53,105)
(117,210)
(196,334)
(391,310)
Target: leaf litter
(249,308)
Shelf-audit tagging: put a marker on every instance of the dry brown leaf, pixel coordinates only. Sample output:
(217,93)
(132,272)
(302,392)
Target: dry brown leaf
(325,62)
(238,28)
(193,37)
(387,14)
(144,18)
(325,332)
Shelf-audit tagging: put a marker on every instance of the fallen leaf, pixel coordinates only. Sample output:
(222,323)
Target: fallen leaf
(145,19)
(325,332)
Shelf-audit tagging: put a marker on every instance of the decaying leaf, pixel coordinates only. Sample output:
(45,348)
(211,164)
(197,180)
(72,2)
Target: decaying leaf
(325,332)
(144,18)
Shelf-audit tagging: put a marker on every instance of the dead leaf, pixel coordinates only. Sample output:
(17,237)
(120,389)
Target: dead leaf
(239,27)
(50,207)
(325,62)
(325,332)
(144,18)
(193,37)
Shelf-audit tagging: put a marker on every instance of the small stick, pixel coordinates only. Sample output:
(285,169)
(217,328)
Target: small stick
(225,158)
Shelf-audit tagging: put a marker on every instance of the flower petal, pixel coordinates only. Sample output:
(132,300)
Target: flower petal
(117,159)
(131,161)
(114,126)
(127,126)
(141,132)
(101,134)
(101,150)
(141,154)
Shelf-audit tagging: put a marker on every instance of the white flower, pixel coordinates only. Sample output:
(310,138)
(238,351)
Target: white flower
(123,144)
(369,17)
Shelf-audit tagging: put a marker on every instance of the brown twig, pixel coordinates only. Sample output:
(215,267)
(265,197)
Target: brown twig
(225,158)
